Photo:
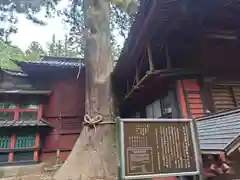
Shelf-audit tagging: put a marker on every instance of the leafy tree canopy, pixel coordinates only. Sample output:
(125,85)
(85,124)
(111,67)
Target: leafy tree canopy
(120,21)
(64,48)
(8,52)
(10,8)
(34,52)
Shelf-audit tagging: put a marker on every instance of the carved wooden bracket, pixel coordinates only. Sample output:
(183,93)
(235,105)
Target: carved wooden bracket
(220,165)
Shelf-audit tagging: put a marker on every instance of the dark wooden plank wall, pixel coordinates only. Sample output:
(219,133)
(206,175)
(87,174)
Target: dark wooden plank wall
(222,97)
(67,98)
(64,111)
(55,141)
(225,96)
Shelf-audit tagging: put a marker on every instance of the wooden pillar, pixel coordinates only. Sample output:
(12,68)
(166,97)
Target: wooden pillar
(150,60)
(16,112)
(40,111)
(36,145)
(182,102)
(12,146)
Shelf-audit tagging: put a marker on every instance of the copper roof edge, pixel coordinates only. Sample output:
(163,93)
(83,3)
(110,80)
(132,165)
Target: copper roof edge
(219,114)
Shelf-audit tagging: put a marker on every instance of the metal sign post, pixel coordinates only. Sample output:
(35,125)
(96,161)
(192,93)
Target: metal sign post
(151,148)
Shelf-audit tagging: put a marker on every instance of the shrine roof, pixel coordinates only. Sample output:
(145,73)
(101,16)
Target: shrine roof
(23,123)
(14,72)
(21,91)
(218,132)
(61,62)
(156,20)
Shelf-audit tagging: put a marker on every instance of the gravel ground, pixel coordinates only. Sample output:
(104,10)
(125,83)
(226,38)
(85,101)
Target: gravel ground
(47,174)
(43,176)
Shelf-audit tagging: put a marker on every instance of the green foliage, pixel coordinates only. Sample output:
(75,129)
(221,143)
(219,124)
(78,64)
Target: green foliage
(115,48)
(74,17)
(34,51)
(63,48)
(10,8)
(8,52)
(52,46)
(120,23)
(129,6)
(121,16)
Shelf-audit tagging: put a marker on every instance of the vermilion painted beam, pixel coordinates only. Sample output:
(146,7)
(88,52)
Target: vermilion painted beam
(36,145)
(16,113)
(182,99)
(12,144)
(7,110)
(40,111)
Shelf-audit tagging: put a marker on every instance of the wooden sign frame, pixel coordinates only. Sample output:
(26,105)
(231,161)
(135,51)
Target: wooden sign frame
(196,160)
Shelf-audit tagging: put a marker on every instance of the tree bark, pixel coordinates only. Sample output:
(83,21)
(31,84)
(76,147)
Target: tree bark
(93,156)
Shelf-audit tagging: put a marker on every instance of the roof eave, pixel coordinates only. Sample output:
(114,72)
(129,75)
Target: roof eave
(233,145)
(40,64)
(33,92)
(223,113)
(208,151)
(22,123)
(14,73)
(134,31)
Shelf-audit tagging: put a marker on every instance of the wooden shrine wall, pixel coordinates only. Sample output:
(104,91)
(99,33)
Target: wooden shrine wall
(64,111)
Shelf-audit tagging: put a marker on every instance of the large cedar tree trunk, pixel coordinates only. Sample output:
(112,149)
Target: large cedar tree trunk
(94,153)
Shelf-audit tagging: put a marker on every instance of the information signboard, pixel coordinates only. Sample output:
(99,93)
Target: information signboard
(158,148)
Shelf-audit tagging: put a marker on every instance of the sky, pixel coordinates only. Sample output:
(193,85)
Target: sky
(28,32)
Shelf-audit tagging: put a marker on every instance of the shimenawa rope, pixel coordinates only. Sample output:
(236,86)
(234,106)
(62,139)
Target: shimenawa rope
(97,120)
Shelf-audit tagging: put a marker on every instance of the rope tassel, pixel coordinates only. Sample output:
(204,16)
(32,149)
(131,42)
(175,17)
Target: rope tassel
(97,120)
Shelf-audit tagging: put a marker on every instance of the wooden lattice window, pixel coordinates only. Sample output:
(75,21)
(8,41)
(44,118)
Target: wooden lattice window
(5,142)
(23,156)
(6,116)
(19,148)
(7,111)
(10,111)
(3,157)
(24,141)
